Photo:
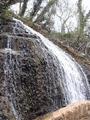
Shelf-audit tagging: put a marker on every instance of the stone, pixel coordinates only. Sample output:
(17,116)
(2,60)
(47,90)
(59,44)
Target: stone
(75,111)
(28,80)
(29,75)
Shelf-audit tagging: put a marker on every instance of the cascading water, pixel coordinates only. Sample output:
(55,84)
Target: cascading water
(39,76)
(74,81)
(9,72)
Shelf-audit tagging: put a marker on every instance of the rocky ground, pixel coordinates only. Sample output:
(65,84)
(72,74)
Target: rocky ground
(77,111)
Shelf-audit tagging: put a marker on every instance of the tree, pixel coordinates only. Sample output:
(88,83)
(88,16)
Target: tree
(40,17)
(64,14)
(82,18)
(23,8)
(48,20)
(36,8)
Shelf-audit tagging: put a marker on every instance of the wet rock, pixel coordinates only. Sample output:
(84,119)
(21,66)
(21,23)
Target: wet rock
(30,77)
(87,71)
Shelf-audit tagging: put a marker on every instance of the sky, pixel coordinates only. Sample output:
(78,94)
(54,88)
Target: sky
(73,23)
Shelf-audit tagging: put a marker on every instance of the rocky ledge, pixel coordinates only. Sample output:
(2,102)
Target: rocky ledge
(76,111)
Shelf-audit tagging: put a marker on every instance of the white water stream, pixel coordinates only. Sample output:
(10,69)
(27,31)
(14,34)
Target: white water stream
(74,78)
(74,82)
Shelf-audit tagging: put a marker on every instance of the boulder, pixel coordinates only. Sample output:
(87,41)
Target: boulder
(76,111)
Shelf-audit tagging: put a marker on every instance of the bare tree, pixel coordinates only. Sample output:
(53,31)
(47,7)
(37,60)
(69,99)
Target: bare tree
(45,10)
(82,18)
(36,8)
(23,8)
(64,14)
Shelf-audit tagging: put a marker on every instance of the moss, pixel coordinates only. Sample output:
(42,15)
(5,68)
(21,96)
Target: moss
(6,14)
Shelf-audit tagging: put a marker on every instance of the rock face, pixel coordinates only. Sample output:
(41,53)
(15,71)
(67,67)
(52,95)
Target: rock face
(77,111)
(87,72)
(29,83)
(31,79)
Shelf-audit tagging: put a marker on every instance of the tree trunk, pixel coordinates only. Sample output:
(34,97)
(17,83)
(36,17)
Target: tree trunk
(48,6)
(23,9)
(36,8)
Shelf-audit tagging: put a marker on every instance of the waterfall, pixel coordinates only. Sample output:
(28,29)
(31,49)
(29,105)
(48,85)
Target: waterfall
(39,77)
(8,73)
(74,80)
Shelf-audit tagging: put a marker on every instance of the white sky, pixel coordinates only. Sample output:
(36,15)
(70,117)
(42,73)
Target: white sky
(86,5)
